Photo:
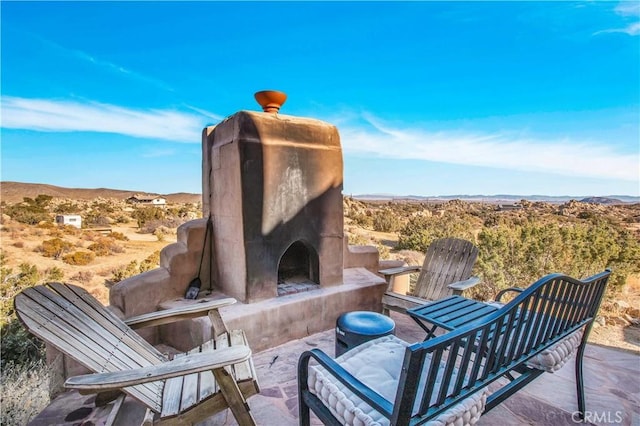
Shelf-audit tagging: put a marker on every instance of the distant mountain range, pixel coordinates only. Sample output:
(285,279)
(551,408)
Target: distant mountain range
(12,192)
(501,198)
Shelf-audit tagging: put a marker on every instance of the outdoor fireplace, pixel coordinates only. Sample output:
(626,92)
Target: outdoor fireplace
(273,187)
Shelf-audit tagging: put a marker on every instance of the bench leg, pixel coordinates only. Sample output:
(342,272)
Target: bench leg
(580,380)
(304,415)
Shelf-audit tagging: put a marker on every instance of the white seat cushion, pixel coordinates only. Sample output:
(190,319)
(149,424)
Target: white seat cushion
(553,358)
(378,364)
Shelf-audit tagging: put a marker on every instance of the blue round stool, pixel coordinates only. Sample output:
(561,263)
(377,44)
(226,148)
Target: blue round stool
(355,328)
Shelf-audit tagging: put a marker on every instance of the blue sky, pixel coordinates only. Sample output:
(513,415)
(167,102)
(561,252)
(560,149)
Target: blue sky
(430,98)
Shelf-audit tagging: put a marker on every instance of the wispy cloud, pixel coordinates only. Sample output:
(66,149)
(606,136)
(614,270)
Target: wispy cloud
(103,64)
(71,116)
(626,9)
(498,150)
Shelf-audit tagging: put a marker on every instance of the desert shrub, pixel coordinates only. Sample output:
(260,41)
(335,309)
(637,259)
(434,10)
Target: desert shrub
(25,392)
(17,345)
(19,244)
(105,246)
(362,219)
(151,262)
(55,247)
(119,236)
(385,252)
(83,277)
(79,258)
(96,219)
(67,207)
(30,211)
(46,225)
(519,254)
(146,214)
(421,231)
(70,230)
(358,240)
(168,223)
(385,221)
(53,274)
(125,272)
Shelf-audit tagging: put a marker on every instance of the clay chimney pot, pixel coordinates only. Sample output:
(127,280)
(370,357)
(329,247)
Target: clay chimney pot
(270,100)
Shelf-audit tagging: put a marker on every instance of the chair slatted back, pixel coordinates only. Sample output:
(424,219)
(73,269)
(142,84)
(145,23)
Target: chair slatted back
(545,313)
(447,260)
(73,321)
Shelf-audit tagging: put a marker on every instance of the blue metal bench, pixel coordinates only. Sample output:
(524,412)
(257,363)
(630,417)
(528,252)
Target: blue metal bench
(388,381)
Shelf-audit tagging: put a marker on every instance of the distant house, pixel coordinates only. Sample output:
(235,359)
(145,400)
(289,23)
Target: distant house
(69,219)
(146,199)
(514,206)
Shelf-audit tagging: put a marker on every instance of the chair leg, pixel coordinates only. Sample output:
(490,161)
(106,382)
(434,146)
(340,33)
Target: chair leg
(234,398)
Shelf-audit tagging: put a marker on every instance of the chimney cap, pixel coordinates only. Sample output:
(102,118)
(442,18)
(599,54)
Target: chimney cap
(270,100)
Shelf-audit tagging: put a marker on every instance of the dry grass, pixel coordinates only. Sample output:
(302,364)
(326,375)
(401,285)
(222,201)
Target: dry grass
(24,393)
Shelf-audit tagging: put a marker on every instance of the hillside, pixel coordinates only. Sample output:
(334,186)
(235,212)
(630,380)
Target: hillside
(13,192)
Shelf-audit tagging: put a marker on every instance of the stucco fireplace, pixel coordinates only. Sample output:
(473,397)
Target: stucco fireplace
(273,187)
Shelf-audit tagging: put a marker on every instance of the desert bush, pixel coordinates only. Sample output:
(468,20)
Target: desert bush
(30,211)
(125,272)
(358,240)
(19,244)
(147,214)
(79,258)
(25,392)
(17,346)
(67,207)
(385,221)
(363,220)
(119,236)
(519,254)
(55,247)
(83,277)
(151,262)
(421,231)
(165,224)
(105,246)
(53,274)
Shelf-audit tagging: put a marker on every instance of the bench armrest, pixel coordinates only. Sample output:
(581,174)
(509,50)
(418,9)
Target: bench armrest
(463,285)
(365,393)
(181,366)
(506,290)
(194,310)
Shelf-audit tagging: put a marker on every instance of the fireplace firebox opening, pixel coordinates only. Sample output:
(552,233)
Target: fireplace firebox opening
(298,269)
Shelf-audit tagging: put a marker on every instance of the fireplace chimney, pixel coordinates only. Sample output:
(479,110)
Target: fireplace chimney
(273,186)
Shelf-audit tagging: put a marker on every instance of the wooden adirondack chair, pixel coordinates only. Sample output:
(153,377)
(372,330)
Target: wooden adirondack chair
(190,388)
(446,271)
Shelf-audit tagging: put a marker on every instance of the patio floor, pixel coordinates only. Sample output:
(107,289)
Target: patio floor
(612,384)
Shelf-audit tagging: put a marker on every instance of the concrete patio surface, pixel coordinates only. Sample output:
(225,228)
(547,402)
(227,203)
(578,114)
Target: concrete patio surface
(612,385)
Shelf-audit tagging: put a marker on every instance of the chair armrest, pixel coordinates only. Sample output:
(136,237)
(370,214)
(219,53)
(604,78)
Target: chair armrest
(194,310)
(365,393)
(463,285)
(502,292)
(181,366)
(399,271)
